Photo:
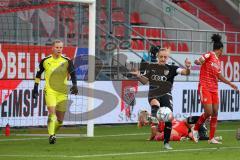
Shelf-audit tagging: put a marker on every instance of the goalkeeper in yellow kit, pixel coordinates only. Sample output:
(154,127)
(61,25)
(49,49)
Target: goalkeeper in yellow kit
(57,68)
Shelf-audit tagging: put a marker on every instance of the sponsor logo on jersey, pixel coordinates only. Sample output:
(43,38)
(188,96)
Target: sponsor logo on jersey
(215,65)
(62,64)
(158,78)
(166,72)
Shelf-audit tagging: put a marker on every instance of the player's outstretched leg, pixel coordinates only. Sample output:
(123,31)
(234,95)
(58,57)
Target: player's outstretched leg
(167,134)
(196,127)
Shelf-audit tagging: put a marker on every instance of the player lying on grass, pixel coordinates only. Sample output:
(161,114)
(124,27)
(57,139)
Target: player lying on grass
(180,129)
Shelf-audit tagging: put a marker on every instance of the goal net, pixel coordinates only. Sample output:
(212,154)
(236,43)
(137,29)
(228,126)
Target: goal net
(27,29)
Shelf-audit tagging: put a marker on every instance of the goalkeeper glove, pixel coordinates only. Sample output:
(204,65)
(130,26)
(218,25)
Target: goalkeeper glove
(74,90)
(35,91)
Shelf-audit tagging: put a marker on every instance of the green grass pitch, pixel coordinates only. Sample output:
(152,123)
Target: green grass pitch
(118,142)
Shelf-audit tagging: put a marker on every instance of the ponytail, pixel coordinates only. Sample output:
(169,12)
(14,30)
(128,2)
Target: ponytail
(217,41)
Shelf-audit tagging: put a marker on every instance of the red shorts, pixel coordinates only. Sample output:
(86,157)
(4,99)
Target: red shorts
(208,97)
(181,128)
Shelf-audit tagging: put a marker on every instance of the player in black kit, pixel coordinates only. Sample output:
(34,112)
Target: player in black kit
(161,77)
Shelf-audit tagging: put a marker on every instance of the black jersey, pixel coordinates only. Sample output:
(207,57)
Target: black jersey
(161,78)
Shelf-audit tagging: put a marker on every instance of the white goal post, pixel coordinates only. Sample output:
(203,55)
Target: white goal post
(91,61)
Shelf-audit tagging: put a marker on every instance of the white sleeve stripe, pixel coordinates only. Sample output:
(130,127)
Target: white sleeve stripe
(179,70)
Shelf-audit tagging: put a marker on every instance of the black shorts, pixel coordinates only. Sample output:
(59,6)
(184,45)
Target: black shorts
(164,100)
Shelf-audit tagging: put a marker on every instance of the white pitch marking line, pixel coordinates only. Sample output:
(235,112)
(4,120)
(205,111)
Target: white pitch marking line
(100,136)
(120,154)
(45,135)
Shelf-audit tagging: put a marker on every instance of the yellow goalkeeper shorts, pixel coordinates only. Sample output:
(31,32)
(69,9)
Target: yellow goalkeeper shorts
(56,99)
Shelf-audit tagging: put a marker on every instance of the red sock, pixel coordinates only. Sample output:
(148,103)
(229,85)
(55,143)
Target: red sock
(213,126)
(200,121)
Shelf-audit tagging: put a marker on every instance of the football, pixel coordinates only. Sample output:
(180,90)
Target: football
(164,114)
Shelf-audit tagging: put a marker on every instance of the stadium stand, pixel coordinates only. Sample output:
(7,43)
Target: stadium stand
(201,8)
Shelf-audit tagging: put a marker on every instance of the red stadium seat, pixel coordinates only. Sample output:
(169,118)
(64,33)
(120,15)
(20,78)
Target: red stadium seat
(158,43)
(156,33)
(185,6)
(185,47)
(135,18)
(140,44)
(230,48)
(137,44)
(104,3)
(103,16)
(238,48)
(173,46)
(149,32)
(147,45)
(71,27)
(134,44)
(153,33)
(118,16)
(231,37)
(180,47)
(163,34)
(103,27)
(69,14)
(166,44)
(238,37)
(114,4)
(119,31)
(153,42)
(103,43)
(138,30)
(85,30)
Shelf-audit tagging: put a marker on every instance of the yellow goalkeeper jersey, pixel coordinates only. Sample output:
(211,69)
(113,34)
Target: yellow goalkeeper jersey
(56,73)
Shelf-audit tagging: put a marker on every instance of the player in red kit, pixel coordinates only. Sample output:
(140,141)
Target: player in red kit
(180,128)
(210,73)
(179,131)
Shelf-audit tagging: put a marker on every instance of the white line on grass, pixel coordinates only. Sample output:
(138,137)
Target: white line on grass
(119,154)
(79,135)
(71,136)
(227,130)
(19,139)
(120,135)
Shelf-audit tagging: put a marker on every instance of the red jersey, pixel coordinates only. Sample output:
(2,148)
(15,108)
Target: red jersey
(179,126)
(209,72)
